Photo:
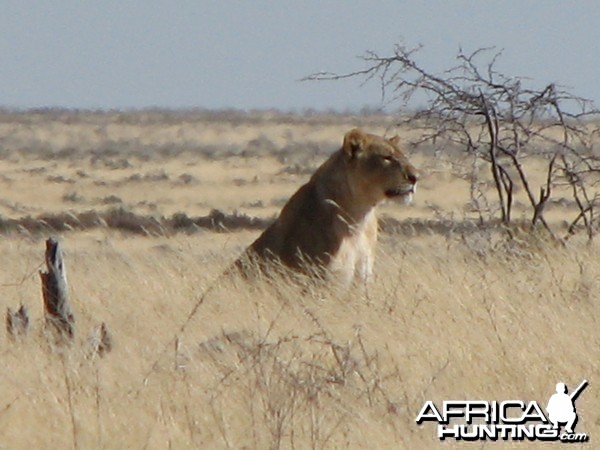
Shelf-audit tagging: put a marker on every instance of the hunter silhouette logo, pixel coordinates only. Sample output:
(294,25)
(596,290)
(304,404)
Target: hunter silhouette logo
(473,420)
(561,406)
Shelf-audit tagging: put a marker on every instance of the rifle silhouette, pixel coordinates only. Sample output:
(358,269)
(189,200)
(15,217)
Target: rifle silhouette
(578,390)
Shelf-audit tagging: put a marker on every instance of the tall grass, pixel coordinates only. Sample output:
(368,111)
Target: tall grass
(455,311)
(272,365)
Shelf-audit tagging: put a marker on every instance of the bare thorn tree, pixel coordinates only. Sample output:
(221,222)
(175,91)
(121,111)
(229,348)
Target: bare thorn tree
(501,121)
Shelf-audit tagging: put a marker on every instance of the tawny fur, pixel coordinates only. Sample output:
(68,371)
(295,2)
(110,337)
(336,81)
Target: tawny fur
(330,225)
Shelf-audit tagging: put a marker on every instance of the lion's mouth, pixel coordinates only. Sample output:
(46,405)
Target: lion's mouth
(400,192)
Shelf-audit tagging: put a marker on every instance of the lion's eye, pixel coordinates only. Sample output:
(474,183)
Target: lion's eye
(388,159)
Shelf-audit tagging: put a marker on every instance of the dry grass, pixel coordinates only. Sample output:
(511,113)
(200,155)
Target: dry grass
(458,314)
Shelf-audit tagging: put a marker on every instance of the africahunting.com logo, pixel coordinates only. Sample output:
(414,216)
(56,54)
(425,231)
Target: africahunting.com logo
(473,420)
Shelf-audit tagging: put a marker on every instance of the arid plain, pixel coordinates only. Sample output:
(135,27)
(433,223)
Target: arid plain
(455,310)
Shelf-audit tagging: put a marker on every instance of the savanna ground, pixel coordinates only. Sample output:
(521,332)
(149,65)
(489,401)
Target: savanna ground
(455,311)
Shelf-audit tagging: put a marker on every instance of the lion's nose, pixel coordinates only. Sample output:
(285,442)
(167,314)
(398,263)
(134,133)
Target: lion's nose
(412,177)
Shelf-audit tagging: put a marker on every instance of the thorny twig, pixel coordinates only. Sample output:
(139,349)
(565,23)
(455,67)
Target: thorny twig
(519,122)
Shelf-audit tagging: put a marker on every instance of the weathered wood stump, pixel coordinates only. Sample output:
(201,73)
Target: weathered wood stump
(17,323)
(59,317)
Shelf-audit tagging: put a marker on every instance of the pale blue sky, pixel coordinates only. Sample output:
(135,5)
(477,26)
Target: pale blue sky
(251,54)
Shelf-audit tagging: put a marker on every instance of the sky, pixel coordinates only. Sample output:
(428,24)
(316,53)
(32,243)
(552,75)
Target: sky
(132,54)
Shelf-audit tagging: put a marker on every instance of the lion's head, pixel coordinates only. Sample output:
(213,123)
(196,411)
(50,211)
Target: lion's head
(378,167)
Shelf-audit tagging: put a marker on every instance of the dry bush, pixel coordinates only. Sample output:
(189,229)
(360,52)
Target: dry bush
(501,122)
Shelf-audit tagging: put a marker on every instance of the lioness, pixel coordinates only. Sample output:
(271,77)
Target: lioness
(329,224)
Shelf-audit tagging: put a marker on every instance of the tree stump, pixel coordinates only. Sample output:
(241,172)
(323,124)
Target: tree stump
(59,317)
(17,323)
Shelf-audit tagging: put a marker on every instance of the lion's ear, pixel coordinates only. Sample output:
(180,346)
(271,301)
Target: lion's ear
(354,142)
(395,140)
